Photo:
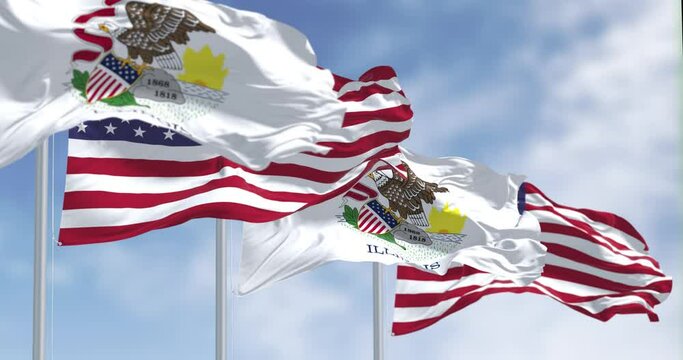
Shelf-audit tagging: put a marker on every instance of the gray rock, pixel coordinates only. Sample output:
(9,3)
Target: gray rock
(158,85)
(411,234)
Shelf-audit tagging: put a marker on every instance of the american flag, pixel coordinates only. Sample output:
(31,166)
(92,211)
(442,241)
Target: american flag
(375,219)
(597,264)
(125,177)
(110,78)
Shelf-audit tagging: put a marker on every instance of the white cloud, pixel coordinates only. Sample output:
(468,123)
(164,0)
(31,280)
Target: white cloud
(297,318)
(609,134)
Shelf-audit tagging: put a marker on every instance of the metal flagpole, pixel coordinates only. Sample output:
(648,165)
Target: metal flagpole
(40,252)
(222,244)
(378,308)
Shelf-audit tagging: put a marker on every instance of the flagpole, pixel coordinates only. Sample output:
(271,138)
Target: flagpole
(378,308)
(40,252)
(222,243)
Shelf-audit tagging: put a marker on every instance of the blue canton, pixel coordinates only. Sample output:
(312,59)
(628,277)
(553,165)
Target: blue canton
(124,130)
(382,212)
(125,71)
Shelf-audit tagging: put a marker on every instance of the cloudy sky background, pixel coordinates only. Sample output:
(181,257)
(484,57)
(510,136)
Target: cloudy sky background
(580,96)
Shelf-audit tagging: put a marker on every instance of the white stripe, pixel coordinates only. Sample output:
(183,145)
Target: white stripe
(411,314)
(131,150)
(594,250)
(544,216)
(612,232)
(601,304)
(570,287)
(367,224)
(124,216)
(376,102)
(160,185)
(99,94)
(437,287)
(391,84)
(626,279)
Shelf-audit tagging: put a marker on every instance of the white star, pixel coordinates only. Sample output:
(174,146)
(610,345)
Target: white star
(168,134)
(81,127)
(127,121)
(110,129)
(139,131)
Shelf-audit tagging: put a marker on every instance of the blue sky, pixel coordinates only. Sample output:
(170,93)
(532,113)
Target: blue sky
(580,96)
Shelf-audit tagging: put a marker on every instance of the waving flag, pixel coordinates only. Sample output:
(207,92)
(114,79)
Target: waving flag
(240,82)
(127,177)
(597,264)
(411,210)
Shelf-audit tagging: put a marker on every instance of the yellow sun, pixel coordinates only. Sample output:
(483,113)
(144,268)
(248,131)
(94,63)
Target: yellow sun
(447,221)
(204,69)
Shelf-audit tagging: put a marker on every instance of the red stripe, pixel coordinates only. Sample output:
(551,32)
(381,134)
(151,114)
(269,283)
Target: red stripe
(455,273)
(106,88)
(112,2)
(578,256)
(379,227)
(365,92)
(109,200)
(395,114)
(578,277)
(374,74)
(339,82)
(432,299)
(86,55)
(364,189)
(96,93)
(580,225)
(356,196)
(363,213)
(116,90)
(367,223)
(108,12)
(224,210)
(104,42)
(94,78)
(568,298)
(164,168)
(361,145)
(378,73)
(402,328)
(606,218)
(578,234)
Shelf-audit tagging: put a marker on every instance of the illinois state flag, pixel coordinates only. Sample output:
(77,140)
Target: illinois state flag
(428,213)
(247,85)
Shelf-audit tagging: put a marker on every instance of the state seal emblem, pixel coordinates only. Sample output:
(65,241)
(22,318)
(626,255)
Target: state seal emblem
(391,207)
(160,63)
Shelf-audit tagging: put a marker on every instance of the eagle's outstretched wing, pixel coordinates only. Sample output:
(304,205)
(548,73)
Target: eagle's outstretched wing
(406,195)
(417,189)
(155,26)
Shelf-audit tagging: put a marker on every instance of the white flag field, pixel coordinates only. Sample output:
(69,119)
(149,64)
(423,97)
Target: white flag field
(236,80)
(428,213)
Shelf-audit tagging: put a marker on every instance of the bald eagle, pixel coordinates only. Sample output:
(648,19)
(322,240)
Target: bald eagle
(155,27)
(406,195)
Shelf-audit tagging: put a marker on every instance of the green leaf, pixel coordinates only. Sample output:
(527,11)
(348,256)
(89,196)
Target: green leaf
(351,215)
(79,80)
(389,237)
(125,99)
